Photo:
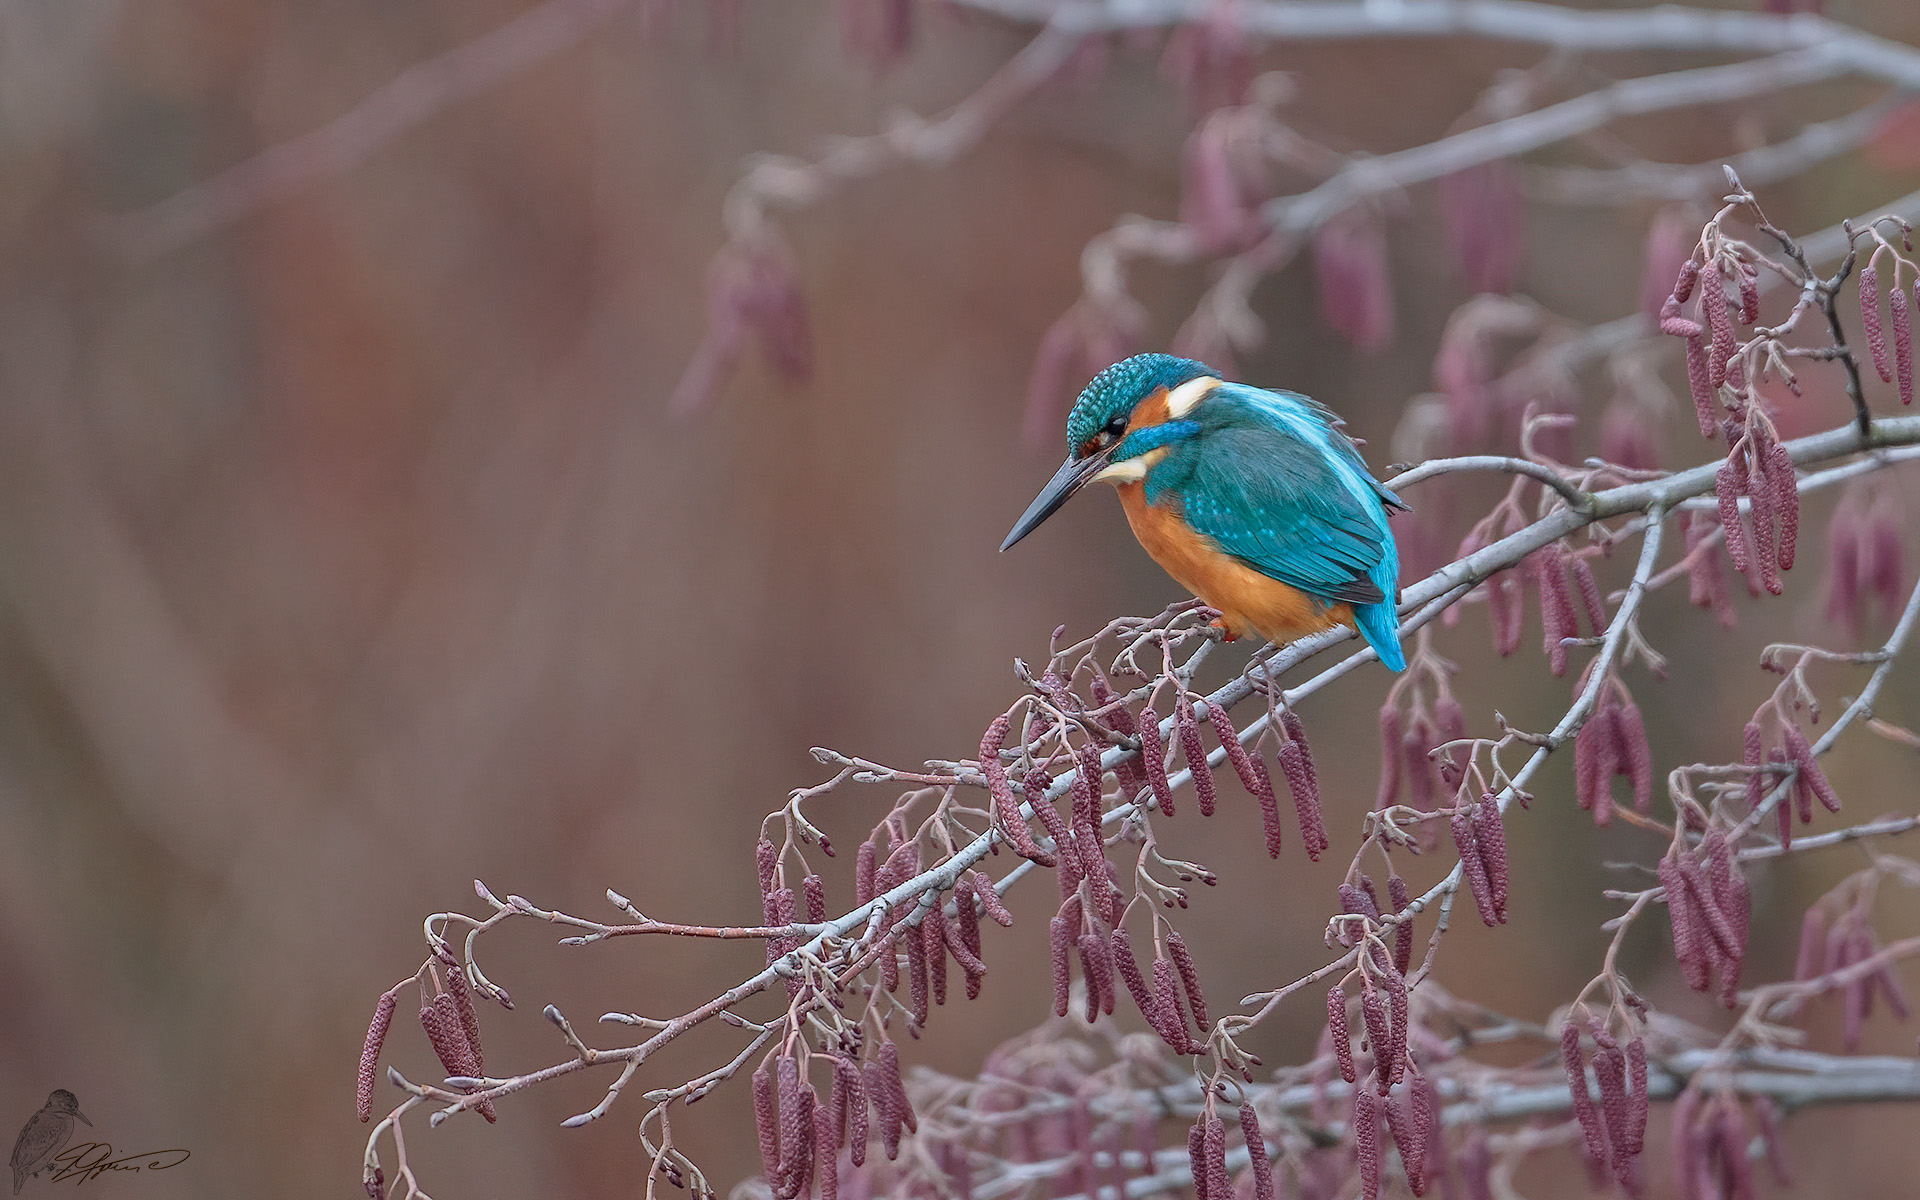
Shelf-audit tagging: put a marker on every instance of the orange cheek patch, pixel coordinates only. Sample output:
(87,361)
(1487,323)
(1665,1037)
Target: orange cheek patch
(1151,411)
(1248,601)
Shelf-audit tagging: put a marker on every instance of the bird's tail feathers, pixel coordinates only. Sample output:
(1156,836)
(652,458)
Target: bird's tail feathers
(1380,625)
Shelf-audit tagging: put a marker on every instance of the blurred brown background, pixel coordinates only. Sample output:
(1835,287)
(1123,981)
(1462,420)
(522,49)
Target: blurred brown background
(346,554)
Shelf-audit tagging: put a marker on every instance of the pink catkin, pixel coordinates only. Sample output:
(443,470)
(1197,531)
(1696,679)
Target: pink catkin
(1897,304)
(1256,1153)
(1490,838)
(815,890)
(1398,1029)
(1749,294)
(1699,384)
(1215,1143)
(826,1156)
(766,1122)
(1153,756)
(469,1019)
(1197,1160)
(1373,1015)
(1195,753)
(370,1054)
(792,1139)
(1750,752)
(1061,936)
(1128,770)
(1630,735)
(1801,755)
(990,901)
(1474,867)
(1610,1074)
(1189,979)
(1556,605)
(1296,762)
(857,1102)
(1713,314)
(1596,759)
(1171,1021)
(1120,950)
(1236,753)
(1400,1126)
(1729,484)
(1337,1033)
(1765,514)
(1683,283)
(1269,809)
(1098,972)
(1785,487)
(1035,787)
(1366,1140)
(917,993)
(1590,599)
(1005,807)
(1403,932)
(1636,1126)
(1575,1066)
(1870,321)
(1418,767)
(767,859)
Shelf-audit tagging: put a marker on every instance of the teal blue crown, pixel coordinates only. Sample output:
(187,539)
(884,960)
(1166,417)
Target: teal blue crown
(1117,389)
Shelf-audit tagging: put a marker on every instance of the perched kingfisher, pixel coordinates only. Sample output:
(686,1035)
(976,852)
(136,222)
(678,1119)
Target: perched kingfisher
(45,1135)
(1253,500)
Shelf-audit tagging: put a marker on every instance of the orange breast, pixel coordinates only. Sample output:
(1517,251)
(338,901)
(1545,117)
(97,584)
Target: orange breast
(1248,601)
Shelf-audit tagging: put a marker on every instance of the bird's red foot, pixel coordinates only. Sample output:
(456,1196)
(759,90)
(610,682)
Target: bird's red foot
(1226,633)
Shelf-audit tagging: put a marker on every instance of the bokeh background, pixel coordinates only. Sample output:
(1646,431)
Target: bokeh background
(348,553)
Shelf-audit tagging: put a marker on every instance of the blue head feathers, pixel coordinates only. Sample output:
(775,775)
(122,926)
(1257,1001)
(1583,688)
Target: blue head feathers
(1115,391)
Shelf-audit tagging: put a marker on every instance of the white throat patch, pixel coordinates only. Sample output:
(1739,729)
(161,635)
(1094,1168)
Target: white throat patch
(1133,470)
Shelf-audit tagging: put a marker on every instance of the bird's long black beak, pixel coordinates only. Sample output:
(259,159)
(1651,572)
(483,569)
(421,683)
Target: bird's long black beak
(1070,478)
(82,1116)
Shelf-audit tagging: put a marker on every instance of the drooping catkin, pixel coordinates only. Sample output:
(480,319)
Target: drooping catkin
(1296,763)
(1120,950)
(1189,979)
(1403,932)
(1870,321)
(370,1054)
(1006,808)
(1902,342)
(1338,1034)
(1256,1152)
(1098,970)
(1195,752)
(1575,1065)
(766,1121)
(1153,758)
(1236,753)
(1366,1140)
(1060,937)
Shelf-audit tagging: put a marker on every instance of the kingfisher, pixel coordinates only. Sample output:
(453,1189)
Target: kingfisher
(45,1135)
(1253,500)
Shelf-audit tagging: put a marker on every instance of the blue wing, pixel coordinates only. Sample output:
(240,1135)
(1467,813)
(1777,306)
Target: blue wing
(1276,485)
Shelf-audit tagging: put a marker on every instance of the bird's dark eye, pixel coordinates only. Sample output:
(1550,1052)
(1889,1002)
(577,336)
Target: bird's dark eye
(1117,426)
